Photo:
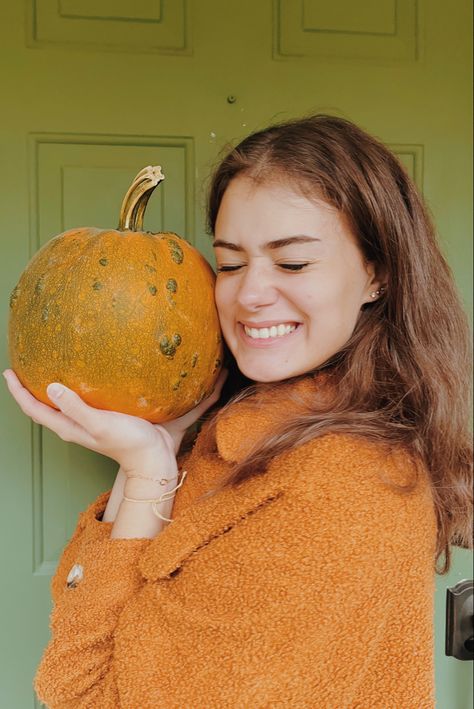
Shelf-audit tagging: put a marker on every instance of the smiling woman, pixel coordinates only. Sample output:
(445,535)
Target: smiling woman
(363,300)
(311,287)
(345,464)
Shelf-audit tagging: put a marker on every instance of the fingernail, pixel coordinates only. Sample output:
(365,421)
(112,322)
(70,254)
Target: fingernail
(54,391)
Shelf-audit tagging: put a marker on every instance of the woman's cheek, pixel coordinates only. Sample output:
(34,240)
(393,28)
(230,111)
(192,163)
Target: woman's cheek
(224,308)
(218,297)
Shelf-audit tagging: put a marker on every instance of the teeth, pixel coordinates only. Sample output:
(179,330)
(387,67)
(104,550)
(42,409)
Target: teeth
(265,332)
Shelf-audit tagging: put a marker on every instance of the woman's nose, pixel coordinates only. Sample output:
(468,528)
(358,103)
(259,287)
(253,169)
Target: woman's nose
(256,288)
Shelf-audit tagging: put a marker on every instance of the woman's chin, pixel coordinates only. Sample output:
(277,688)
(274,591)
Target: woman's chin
(262,374)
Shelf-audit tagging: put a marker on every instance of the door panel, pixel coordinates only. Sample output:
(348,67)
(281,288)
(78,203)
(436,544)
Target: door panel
(141,25)
(94,91)
(373,30)
(83,179)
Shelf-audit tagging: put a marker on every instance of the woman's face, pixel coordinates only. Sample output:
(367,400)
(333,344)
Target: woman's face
(291,279)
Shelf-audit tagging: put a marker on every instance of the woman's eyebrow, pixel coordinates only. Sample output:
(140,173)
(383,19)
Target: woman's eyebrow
(276,244)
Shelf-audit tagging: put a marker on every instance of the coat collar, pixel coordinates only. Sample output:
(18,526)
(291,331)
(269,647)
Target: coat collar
(250,420)
(242,426)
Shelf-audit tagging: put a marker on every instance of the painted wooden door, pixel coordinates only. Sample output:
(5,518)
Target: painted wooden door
(94,90)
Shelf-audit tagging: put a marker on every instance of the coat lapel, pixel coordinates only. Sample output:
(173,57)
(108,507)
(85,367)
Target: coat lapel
(198,524)
(236,433)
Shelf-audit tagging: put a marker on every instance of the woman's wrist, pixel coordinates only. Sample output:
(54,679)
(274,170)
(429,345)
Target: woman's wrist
(115,498)
(152,464)
(142,487)
(137,519)
(146,505)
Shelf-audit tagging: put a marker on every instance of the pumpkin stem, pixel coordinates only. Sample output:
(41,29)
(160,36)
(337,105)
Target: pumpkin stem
(134,203)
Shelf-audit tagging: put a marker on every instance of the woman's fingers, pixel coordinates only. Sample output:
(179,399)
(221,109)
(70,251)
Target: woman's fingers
(129,440)
(74,407)
(106,432)
(66,423)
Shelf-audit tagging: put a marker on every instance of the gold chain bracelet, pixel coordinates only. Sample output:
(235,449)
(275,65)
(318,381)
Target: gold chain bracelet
(163,498)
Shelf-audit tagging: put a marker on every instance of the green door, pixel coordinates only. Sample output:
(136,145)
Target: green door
(93,90)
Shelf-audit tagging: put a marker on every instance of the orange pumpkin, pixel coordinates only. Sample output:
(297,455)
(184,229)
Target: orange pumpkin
(125,318)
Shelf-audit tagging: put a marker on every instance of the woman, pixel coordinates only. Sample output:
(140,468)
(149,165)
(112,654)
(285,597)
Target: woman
(292,562)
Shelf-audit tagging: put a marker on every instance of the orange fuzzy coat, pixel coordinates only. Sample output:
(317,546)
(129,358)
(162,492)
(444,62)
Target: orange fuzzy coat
(310,586)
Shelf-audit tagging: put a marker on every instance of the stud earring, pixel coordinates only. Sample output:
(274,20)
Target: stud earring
(375,293)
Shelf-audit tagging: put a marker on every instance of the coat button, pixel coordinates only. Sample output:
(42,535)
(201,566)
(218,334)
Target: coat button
(75,576)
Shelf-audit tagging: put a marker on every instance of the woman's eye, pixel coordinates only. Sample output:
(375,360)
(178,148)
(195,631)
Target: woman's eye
(293,266)
(286,266)
(220,269)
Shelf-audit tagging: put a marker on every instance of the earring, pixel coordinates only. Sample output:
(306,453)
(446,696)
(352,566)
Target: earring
(375,293)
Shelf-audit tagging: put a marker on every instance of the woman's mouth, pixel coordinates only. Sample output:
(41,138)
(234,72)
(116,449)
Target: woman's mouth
(262,336)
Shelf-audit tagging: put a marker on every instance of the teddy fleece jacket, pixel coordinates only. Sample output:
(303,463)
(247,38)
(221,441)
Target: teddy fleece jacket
(310,585)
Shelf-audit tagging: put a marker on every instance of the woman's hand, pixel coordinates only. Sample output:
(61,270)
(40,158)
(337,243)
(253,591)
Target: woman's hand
(134,443)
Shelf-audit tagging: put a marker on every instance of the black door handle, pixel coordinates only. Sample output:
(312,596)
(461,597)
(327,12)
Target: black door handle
(459,620)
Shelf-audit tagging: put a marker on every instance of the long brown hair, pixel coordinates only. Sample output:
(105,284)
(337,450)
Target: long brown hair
(404,377)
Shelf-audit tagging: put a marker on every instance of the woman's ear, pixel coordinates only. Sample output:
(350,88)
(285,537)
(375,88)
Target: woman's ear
(377,282)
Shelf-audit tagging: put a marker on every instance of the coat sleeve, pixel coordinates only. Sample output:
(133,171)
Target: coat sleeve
(76,668)
(298,605)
